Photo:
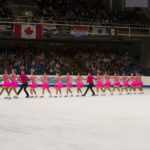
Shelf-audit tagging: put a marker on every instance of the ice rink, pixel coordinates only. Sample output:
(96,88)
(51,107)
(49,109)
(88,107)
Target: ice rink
(118,122)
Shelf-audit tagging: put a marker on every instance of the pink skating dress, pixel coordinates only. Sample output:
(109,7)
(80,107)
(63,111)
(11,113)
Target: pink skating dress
(79,82)
(6,80)
(45,84)
(125,81)
(99,80)
(107,83)
(34,84)
(59,83)
(14,82)
(116,81)
(69,82)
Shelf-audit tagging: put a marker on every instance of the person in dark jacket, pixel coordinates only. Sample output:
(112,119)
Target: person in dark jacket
(90,80)
(24,79)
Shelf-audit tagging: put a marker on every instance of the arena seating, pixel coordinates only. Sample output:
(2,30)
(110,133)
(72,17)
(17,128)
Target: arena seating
(4,12)
(79,11)
(74,11)
(66,61)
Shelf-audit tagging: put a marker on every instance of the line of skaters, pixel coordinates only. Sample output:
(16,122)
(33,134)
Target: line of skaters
(101,82)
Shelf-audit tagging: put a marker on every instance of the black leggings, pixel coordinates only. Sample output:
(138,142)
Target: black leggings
(90,86)
(24,86)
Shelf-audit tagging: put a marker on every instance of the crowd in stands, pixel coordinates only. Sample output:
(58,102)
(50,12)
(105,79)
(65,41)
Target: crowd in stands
(29,58)
(76,11)
(110,62)
(4,11)
(64,61)
(80,11)
(72,11)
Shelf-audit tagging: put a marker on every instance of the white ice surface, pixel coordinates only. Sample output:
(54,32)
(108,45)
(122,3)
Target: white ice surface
(84,123)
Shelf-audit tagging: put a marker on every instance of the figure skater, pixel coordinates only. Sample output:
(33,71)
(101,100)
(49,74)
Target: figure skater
(99,83)
(6,84)
(133,83)
(90,80)
(24,80)
(69,85)
(116,83)
(33,85)
(107,84)
(139,83)
(14,83)
(45,85)
(58,85)
(125,83)
(79,85)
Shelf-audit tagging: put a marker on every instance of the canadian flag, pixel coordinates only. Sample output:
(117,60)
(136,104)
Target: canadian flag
(28,31)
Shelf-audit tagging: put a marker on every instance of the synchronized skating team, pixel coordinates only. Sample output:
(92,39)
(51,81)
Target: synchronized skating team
(129,84)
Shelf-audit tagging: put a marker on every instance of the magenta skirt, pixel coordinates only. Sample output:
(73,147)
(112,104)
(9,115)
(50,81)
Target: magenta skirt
(140,84)
(99,84)
(107,84)
(125,84)
(69,85)
(133,84)
(117,84)
(34,86)
(45,86)
(14,84)
(79,85)
(6,84)
(58,86)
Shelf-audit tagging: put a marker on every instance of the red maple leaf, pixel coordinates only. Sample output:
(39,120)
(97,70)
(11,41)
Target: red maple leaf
(28,31)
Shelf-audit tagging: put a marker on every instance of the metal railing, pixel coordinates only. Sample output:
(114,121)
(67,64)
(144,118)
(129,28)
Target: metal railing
(7,29)
(25,19)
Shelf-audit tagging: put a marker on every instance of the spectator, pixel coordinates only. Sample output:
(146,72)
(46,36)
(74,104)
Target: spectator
(73,61)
